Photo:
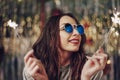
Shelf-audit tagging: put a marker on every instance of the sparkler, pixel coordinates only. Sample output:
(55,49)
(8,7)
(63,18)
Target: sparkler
(105,40)
(13,25)
(116,24)
(115,20)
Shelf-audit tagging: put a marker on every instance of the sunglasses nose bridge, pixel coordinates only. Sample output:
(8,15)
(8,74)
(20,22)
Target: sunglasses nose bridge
(75,31)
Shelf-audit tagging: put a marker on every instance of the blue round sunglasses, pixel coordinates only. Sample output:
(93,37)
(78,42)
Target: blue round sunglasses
(69,28)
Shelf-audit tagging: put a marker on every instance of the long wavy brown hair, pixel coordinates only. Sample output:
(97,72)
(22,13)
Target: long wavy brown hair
(46,49)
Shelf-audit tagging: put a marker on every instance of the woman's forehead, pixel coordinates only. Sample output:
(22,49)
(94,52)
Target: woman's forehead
(67,19)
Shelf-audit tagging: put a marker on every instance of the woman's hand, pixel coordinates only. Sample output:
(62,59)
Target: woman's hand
(34,67)
(94,64)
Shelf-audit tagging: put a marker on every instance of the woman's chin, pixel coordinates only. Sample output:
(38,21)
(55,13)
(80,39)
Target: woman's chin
(74,50)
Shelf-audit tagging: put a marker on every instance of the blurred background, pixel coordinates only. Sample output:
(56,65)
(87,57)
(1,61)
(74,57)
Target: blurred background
(21,22)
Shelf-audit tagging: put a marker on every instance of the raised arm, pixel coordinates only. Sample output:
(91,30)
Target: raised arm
(34,69)
(94,64)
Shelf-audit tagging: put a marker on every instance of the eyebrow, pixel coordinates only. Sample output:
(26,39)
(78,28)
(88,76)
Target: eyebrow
(64,23)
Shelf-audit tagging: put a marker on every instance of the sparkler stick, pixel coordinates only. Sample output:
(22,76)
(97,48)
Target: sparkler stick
(105,40)
(115,20)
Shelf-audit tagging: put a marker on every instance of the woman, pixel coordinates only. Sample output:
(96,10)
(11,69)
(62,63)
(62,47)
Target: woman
(58,53)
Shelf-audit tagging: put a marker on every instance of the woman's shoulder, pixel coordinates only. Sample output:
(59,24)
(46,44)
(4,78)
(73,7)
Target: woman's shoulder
(97,76)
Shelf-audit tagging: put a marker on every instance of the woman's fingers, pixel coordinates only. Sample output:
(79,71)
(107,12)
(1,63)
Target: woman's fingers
(102,58)
(100,50)
(34,67)
(99,58)
(29,61)
(28,55)
(95,63)
(35,70)
(31,67)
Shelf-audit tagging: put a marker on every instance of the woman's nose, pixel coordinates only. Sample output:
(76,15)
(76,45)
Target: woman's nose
(75,31)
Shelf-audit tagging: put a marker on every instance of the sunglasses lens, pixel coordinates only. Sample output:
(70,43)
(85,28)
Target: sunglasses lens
(68,28)
(80,29)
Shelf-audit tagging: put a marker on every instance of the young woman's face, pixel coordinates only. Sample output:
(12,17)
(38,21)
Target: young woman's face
(69,41)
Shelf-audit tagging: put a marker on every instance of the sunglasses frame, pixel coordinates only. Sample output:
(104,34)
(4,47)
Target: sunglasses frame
(72,28)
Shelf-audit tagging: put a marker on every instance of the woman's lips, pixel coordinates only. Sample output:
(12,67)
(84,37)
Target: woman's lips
(74,41)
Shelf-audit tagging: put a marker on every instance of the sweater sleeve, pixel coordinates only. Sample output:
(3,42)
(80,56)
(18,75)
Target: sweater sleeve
(26,76)
(97,76)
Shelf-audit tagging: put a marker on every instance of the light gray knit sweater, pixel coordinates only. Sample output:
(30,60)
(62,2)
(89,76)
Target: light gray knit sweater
(64,74)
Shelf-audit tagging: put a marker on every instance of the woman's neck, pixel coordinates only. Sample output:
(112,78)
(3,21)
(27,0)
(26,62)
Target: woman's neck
(65,58)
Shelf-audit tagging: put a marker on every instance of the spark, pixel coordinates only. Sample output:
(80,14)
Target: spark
(116,18)
(12,24)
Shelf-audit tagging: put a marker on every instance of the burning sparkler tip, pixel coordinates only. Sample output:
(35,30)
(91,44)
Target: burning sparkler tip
(12,24)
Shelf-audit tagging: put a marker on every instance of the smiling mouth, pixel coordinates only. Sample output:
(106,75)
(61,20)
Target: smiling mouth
(74,41)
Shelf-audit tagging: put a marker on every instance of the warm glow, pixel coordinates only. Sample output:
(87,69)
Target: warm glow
(112,29)
(57,2)
(117,33)
(108,62)
(19,0)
